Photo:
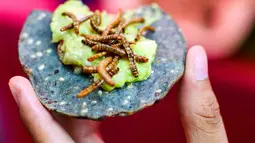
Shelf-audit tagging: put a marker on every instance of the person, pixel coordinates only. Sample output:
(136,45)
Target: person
(200,114)
(220,26)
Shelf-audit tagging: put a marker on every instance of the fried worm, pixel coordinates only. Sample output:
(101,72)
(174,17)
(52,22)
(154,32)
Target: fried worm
(102,39)
(88,42)
(95,21)
(59,51)
(139,34)
(75,21)
(134,21)
(103,73)
(130,55)
(98,18)
(113,24)
(96,56)
(113,64)
(141,59)
(89,69)
(96,84)
(107,48)
(70,26)
(91,88)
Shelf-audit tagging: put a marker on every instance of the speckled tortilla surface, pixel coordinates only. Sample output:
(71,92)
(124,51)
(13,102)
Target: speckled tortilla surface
(57,86)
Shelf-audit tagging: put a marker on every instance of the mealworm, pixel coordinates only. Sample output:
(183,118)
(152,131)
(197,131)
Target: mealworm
(88,42)
(113,24)
(113,64)
(141,59)
(91,88)
(94,69)
(106,38)
(96,84)
(90,69)
(114,71)
(130,55)
(107,48)
(95,21)
(117,45)
(75,21)
(119,29)
(134,21)
(103,72)
(70,26)
(95,27)
(98,17)
(96,56)
(59,51)
(121,43)
(139,34)
(120,26)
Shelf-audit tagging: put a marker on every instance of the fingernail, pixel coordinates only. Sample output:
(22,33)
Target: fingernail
(201,67)
(14,92)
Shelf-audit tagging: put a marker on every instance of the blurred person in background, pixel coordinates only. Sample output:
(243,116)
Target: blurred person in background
(220,26)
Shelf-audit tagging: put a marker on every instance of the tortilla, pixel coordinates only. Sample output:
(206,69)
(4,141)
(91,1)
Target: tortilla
(56,85)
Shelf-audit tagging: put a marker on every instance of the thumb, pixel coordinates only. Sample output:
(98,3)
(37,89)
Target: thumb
(199,108)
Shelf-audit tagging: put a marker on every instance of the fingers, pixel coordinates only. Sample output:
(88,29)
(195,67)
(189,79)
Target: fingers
(199,108)
(38,121)
(82,131)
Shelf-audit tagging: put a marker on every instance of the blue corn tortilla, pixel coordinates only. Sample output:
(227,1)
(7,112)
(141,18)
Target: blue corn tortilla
(56,85)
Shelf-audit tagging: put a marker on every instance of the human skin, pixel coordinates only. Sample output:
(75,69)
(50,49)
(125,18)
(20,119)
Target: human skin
(200,114)
(220,26)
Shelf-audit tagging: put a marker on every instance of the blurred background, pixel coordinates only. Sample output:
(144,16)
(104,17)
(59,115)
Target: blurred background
(226,28)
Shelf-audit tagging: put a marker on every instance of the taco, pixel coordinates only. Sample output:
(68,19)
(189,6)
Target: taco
(94,65)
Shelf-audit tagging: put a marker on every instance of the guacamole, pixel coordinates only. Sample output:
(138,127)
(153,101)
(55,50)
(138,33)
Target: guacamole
(76,54)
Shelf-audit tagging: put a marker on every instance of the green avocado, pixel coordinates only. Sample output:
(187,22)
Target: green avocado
(76,54)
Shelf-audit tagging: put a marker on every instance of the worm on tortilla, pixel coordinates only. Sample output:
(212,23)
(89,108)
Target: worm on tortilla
(113,24)
(91,88)
(70,26)
(119,45)
(96,84)
(119,30)
(103,73)
(141,59)
(139,34)
(96,56)
(134,21)
(103,39)
(59,51)
(95,21)
(107,48)
(130,55)
(114,71)
(98,18)
(88,42)
(94,69)
(113,64)
(75,21)
(120,27)
(89,69)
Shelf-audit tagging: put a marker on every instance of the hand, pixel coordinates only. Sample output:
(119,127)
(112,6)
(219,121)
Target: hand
(47,127)
(200,114)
